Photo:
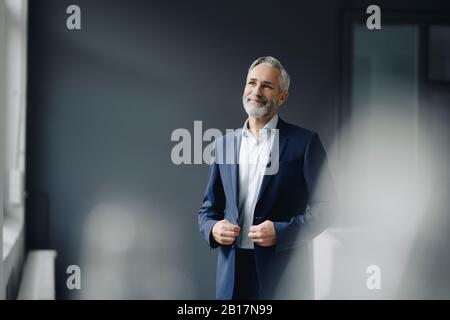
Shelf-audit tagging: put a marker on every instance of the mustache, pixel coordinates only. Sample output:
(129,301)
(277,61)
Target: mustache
(261,100)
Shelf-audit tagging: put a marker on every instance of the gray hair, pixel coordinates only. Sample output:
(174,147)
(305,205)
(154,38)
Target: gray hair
(285,80)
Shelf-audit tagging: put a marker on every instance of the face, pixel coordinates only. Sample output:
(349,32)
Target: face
(262,94)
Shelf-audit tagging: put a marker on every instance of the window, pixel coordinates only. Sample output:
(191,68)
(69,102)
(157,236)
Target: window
(439,53)
(13,35)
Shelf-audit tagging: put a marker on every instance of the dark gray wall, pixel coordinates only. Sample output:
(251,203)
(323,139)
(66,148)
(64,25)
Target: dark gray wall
(103,102)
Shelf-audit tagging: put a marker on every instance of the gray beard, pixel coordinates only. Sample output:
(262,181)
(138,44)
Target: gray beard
(258,112)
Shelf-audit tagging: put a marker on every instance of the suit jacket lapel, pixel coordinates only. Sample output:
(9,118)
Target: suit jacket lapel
(235,166)
(282,143)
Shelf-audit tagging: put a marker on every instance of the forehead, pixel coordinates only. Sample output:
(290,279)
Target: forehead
(264,72)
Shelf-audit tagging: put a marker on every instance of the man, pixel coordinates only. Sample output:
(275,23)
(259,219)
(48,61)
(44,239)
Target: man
(256,218)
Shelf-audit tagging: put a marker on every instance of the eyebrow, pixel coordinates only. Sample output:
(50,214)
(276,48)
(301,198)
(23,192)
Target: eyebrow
(266,82)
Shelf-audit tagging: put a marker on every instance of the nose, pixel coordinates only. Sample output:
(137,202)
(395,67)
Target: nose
(257,91)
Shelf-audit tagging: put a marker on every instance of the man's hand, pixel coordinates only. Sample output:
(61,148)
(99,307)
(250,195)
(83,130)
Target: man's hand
(263,234)
(225,232)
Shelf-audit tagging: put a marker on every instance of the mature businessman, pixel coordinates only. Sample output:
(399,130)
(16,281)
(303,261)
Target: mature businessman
(255,217)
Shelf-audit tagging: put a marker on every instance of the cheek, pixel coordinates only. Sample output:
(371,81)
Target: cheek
(269,96)
(276,97)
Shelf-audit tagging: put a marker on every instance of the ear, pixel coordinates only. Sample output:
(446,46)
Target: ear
(283,97)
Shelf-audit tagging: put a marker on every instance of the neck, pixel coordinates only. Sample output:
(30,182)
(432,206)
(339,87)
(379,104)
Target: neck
(255,124)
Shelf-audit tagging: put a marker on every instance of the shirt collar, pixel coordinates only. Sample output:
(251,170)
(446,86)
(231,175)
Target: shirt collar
(272,124)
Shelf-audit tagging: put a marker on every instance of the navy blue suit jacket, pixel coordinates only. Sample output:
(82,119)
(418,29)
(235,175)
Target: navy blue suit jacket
(293,199)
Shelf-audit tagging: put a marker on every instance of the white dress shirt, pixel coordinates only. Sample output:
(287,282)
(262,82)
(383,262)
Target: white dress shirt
(253,158)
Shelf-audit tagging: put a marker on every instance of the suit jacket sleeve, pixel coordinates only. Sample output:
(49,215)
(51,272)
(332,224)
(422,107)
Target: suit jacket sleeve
(321,200)
(212,209)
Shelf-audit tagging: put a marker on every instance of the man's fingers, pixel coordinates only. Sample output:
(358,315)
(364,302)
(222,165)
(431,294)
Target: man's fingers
(257,240)
(225,232)
(232,227)
(229,234)
(226,240)
(262,234)
(254,235)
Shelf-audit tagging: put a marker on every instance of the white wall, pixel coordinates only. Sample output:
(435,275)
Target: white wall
(13,53)
(2,138)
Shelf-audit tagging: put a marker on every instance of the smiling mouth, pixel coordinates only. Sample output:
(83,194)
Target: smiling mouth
(260,102)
